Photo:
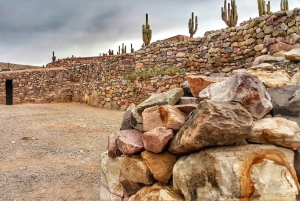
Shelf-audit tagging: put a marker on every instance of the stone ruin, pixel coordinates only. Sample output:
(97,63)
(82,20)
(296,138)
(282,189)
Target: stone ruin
(216,138)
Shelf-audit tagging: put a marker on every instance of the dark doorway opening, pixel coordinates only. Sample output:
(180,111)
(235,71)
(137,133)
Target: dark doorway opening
(9,92)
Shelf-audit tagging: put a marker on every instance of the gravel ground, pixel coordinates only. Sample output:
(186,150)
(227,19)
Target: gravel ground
(52,151)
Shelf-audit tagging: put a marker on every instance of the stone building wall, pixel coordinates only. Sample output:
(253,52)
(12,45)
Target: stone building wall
(100,81)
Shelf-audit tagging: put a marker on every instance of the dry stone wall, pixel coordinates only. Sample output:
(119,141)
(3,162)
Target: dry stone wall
(100,81)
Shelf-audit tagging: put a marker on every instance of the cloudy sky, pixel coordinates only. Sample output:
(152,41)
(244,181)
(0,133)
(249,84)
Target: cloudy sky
(31,29)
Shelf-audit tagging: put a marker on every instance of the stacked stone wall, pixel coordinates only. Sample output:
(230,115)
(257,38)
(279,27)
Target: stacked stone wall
(100,81)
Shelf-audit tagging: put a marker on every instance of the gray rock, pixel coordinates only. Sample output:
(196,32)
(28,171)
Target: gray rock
(126,125)
(244,88)
(188,100)
(186,89)
(285,100)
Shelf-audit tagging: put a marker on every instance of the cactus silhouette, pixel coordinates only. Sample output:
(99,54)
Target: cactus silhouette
(131,49)
(193,26)
(262,7)
(53,57)
(230,15)
(284,5)
(123,49)
(147,32)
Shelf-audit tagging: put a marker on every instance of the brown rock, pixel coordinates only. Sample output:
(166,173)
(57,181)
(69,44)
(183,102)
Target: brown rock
(130,141)
(279,47)
(113,150)
(199,82)
(214,123)
(162,116)
(187,108)
(157,139)
(160,165)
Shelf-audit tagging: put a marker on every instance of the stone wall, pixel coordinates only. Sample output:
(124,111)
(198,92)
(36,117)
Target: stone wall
(44,85)
(100,81)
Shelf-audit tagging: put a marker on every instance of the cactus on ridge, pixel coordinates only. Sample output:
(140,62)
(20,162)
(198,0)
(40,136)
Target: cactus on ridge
(230,15)
(193,26)
(123,49)
(132,50)
(147,32)
(284,5)
(53,57)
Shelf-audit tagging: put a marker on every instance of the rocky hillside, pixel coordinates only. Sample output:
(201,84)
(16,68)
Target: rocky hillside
(14,67)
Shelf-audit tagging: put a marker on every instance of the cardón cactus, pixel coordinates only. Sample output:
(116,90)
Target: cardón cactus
(284,5)
(262,7)
(53,57)
(230,16)
(147,32)
(193,26)
(132,50)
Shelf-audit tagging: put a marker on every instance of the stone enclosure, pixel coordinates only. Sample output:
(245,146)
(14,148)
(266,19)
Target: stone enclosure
(100,81)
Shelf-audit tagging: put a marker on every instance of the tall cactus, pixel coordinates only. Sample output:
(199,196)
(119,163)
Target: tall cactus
(262,7)
(284,5)
(123,49)
(193,26)
(53,57)
(147,32)
(230,15)
(131,49)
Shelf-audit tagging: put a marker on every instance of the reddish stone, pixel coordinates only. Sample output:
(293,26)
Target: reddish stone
(162,116)
(280,47)
(187,108)
(157,139)
(199,82)
(269,41)
(130,141)
(113,150)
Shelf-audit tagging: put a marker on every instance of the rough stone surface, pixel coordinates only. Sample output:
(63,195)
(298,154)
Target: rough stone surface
(198,83)
(187,108)
(186,89)
(293,54)
(272,79)
(163,116)
(286,100)
(156,192)
(134,169)
(244,88)
(160,165)
(130,188)
(126,121)
(130,141)
(279,47)
(250,172)
(263,66)
(213,123)
(295,80)
(297,163)
(157,139)
(113,149)
(111,188)
(188,100)
(277,131)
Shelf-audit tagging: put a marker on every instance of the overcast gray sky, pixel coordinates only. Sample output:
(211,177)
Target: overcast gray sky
(31,29)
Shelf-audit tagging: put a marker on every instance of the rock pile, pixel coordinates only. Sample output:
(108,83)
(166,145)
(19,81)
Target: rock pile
(238,143)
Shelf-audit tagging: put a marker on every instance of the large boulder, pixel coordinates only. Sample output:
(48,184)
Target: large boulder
(160,165)
(286,100)
(250,172)
(156,192)
(272,79)
(243,88)
(163,116)
(130,141)
(167,98)
(111,189)
(199,82)
(277,131)
(213,123)
(157,139)
(134,169)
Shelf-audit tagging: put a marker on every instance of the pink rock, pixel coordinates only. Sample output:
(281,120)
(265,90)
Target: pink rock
(269,41)
(187,108)
(198,83)
(163,116)
(280,47)
(113,150)
(157,139)
(130,141)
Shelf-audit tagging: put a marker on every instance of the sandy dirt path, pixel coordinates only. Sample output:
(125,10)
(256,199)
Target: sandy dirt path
(52,151)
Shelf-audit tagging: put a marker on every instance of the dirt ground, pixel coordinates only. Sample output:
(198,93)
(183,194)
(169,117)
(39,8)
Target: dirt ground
(52,151)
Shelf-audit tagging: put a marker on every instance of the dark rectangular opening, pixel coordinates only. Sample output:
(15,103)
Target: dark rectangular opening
(9,92)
